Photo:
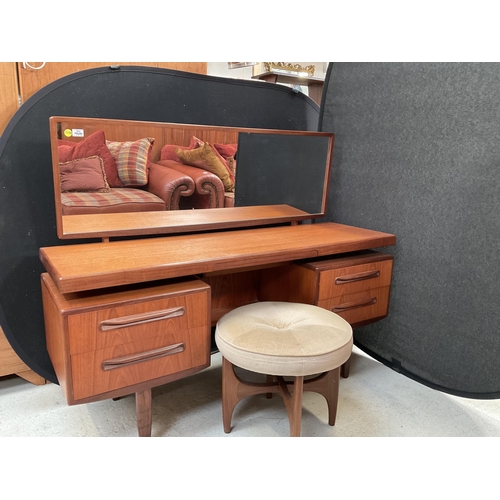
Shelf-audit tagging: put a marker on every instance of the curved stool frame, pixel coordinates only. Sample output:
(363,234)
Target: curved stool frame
(234,389)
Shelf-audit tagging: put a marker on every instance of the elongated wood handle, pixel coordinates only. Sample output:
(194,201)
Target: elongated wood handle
(139,319)
(122,361)
(350,278)
(346,306)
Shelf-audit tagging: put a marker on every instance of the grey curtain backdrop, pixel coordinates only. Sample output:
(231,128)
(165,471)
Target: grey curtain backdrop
(417,154)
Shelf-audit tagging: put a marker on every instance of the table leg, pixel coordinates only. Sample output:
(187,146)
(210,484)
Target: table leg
(143,405)
(344,369)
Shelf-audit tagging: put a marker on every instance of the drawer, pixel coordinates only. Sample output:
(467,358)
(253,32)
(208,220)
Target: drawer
(125,324)
(359,307)
(354,279)
(145,360)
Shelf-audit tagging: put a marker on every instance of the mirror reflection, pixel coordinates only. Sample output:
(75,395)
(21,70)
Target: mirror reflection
(103,167)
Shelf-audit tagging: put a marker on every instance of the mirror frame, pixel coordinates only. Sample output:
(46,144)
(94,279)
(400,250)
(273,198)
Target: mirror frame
(128,224)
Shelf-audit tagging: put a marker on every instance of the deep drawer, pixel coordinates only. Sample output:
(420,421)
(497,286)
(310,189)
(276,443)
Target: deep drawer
(118,366)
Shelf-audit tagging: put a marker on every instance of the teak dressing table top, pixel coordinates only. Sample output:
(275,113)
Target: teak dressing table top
(91,266)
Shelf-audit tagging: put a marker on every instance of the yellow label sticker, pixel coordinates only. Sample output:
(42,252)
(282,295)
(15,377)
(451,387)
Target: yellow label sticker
(68,132)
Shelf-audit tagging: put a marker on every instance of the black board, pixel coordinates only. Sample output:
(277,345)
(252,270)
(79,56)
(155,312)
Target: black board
(27,217)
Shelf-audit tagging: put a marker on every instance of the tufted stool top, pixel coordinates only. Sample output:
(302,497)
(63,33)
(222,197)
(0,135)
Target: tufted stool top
(284,338)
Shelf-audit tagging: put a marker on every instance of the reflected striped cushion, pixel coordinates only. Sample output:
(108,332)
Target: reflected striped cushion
(132,160)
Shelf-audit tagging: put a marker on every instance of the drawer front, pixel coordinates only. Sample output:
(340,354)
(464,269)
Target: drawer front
(115,326)
(353,279)
(360,306)
(118,366)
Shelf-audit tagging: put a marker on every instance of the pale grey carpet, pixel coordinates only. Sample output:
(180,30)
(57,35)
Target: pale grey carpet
(374,402)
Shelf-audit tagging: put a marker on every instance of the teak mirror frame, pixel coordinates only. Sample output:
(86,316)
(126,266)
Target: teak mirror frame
(109,225)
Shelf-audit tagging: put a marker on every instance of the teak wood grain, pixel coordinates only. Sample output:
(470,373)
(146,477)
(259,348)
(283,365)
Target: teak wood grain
(177,221)
(99,265)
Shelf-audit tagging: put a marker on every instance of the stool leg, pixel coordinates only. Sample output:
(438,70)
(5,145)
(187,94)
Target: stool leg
(327,384)
(294,406)
(331,393)
(229,393)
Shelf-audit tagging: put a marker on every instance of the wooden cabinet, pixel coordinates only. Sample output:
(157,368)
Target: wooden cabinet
(11,363)
(127,339)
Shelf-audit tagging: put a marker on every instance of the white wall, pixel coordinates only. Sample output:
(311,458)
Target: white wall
(221,69)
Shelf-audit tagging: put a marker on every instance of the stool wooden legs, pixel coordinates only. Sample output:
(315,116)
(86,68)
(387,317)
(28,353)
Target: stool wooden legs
(234,389)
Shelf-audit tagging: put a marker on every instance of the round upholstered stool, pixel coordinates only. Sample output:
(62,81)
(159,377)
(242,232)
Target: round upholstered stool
(282,339)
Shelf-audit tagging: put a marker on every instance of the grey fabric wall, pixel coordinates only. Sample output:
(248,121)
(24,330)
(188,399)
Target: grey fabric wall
(417,154)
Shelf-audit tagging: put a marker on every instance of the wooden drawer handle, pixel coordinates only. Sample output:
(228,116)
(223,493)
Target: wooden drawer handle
(139,319)
(346,306)
(351,278)
(122,361)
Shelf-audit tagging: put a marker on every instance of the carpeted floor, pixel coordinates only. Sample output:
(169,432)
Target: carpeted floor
(374,402)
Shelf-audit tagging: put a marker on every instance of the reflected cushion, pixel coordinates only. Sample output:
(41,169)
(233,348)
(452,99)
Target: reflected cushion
(168,151)
(226,150)
(207,158)
(132,160)
(83,174)
(93,145)
(231,163)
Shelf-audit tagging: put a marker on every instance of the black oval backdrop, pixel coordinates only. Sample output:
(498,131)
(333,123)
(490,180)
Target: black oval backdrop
(417,154)
(27,218)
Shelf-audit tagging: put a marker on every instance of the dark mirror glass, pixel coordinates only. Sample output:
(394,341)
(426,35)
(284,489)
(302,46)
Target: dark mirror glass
(282,169)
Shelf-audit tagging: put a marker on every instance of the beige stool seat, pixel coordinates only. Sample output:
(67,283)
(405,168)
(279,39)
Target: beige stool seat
(282,339)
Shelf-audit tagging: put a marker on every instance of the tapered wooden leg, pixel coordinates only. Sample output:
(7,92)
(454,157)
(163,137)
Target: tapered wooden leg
(327,384)
(296,415)
(293,404)
(269,380)
(345,368)
(229,394)
(331,393)
(143,406)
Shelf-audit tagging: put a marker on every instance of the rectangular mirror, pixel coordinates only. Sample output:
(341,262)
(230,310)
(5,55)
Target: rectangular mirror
(280,176)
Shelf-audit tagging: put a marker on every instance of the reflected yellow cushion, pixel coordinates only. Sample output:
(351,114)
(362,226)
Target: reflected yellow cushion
(207,158)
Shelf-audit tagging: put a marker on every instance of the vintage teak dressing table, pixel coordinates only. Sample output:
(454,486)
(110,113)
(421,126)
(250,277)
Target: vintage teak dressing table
(125,316)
